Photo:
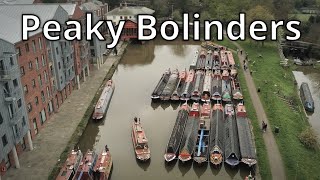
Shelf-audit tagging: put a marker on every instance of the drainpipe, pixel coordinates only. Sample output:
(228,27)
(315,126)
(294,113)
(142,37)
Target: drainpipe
(78,81)
(15,157)
(29,141)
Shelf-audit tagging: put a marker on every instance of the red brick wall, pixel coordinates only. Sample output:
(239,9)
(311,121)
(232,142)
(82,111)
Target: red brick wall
(33,73)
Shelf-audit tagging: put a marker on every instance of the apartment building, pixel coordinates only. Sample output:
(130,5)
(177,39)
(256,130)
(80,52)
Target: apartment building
(81,48)
(14,125)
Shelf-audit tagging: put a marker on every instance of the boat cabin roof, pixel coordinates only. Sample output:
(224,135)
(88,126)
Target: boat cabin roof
(140,135)
(104,159)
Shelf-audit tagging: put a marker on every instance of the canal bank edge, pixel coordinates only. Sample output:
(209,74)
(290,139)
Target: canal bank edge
(85,119)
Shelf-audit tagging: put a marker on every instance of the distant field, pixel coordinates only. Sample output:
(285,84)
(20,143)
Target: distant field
(301,17)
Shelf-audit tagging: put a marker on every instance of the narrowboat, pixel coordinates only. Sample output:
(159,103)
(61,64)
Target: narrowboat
(246,141)
(202,59)
(216,60)
(225,75)
(186,92)
(216,86)
(103,166)
(103,103)
(87,164)
(161,84)
(177,133)
(140,141)
(180,85)
(208,65)
(198,86)
(236,90)
(201,152)
(216,135)
(230,59)
(226,91)
(206,90)
(190,134)
(170,86)
(306,97)
(231,138)
(194,62)
(224,60)
(70,167)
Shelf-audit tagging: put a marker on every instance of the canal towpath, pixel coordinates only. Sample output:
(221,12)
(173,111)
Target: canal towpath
(274,156)
(53,139)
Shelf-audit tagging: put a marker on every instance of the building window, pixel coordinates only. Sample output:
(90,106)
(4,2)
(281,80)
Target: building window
(59,65)
(30,65)
(24,121)
(33,83)
(35,127)
(4,140)
(57,50)
(29,107)
(19,51)
(92,53)
(43,116)
(45,76)
(34,46)
(40,43)
(121,17)
(27,47)
(39,79)
(43,98)
(36,100)
(15,83)
(25,89)
(1,119)
(43,60)
(19,103)
(48,92)
(22,70)
(11,61)
(37,63)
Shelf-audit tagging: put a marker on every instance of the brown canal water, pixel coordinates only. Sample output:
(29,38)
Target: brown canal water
(135,78)
(312,77)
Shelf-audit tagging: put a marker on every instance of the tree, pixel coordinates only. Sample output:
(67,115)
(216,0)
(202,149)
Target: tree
(177,15)
(282,8)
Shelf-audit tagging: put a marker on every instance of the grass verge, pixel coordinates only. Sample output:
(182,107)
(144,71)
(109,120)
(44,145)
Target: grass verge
(81,126)
(263,163)
(299,162)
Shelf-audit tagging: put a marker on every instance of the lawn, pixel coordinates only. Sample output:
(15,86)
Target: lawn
(300,162)
(300,17)
(263,163)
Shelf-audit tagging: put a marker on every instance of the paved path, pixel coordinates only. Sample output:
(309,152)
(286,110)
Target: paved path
(274,157)
(52,140)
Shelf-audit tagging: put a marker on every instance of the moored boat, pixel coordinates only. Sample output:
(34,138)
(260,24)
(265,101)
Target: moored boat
(206,91)
(177,133)
(217,135)
(140,141)
(230,59)
(202,59)
(103,166)
(231,138)
(190,134)
(198,86)
(225,75)
(208,64)
(201,151)
(85,169)
(70,167)
(246,141)
(216,60)
(226,91)
(194,62)
(103,103)
(186,92)
(161,84)
(216,86)
(306,97)
(236,90)
(224,60)
(180,85)
(170,86)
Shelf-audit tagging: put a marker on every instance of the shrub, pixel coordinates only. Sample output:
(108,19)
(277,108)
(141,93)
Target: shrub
(309,138)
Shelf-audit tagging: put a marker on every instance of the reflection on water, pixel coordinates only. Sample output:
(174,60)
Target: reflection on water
(137,75)
(312,77)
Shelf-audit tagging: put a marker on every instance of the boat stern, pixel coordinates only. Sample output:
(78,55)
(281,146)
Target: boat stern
(169,157)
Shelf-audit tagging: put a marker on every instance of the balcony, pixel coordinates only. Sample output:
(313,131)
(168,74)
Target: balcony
(7,75)
(67,65)
(16,116)
(13,95)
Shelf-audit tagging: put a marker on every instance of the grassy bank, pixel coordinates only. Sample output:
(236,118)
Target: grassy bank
(81,126)
(263,163)
(299,162)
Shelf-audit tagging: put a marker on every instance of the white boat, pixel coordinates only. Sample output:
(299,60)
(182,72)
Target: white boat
(104,101)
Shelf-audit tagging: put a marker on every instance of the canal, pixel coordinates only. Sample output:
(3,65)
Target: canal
(312,77)
(135,78)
